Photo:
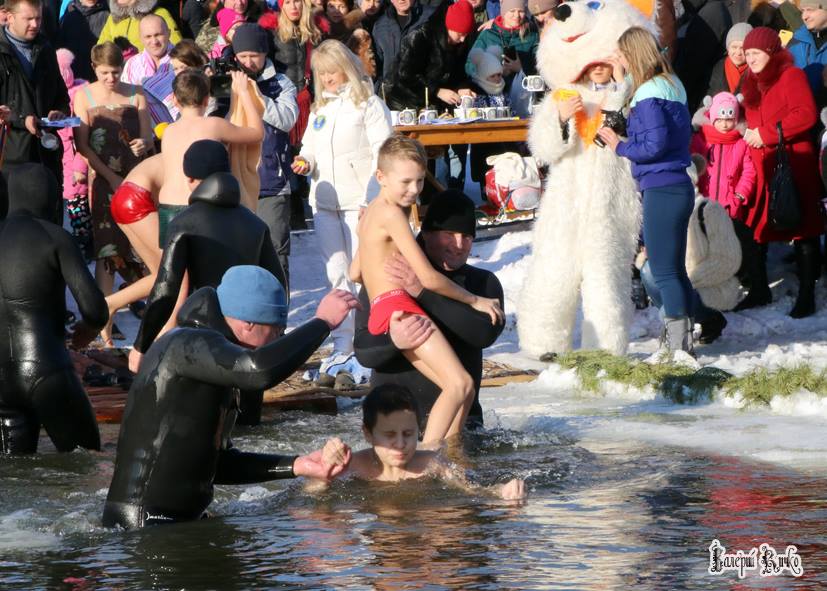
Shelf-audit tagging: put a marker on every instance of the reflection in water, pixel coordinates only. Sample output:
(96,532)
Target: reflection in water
(615,516)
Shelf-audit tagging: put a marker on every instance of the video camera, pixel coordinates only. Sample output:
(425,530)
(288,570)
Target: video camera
(220,80)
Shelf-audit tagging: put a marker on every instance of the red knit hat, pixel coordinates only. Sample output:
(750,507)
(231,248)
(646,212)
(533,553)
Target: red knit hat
(763,38)
(460,17)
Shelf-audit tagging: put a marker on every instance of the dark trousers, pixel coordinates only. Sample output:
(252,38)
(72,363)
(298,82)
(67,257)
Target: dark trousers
(275,212)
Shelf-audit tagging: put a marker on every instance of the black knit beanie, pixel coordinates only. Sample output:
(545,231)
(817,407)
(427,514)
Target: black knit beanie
(250,37)
(205,157)
(451,211)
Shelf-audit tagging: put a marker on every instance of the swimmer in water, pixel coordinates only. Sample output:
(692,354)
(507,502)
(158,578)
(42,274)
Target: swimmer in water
(390,423)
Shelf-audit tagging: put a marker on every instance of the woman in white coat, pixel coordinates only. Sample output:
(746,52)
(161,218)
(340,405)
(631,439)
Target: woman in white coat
(347,125)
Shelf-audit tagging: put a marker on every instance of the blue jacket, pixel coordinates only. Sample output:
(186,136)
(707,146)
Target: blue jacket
(659,131)
(280,114)
(807,57)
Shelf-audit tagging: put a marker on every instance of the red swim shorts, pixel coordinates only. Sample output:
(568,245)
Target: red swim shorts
(131,203)
(386,304)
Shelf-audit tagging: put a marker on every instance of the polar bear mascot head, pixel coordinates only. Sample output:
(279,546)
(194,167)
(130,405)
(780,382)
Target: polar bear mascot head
(585,32)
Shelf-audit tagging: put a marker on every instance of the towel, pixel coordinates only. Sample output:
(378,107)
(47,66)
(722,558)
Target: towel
(244,158)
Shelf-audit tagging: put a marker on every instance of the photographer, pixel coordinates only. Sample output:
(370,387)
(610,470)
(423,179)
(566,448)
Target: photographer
(250,45)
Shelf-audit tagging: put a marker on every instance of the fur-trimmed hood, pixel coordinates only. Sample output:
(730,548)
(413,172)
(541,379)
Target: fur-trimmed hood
(136,9)
(755,85)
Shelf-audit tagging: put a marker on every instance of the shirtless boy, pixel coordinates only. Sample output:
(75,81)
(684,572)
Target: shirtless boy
(384,233)
(390,423)
(191,93)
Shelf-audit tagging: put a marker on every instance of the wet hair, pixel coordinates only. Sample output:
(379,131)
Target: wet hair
(188,53)
(386,399)
(645,57)
(401,147)
(107,54)
(191,88)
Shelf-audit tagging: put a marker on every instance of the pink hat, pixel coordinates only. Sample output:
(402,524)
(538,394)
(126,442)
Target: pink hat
(227,17)
(724,106)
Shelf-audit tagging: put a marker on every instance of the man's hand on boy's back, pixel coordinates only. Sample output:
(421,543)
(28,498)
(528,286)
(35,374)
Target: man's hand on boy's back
(513,490)
(335,307)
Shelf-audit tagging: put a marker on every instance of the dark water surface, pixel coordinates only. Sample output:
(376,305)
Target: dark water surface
(633,516)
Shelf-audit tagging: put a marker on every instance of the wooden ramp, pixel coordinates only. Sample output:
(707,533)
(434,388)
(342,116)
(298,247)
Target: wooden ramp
(294,393)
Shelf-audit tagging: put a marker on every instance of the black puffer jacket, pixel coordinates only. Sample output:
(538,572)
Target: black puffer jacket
(45,92)
(80,28)
(387,37)
(706,24)
(213,234)
(427,60)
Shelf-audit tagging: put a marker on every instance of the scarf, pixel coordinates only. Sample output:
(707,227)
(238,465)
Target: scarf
(490,88)
(733,74)
(715,137)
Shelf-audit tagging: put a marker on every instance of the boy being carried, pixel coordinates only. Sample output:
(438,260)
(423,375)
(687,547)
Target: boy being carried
(384,233)
(390,423)
(191,93)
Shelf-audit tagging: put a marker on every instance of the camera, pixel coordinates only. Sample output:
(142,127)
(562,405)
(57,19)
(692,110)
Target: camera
(615,121)
(220,80)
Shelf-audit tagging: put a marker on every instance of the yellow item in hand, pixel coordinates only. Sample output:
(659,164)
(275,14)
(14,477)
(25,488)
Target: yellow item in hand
(785,35)
(564,94)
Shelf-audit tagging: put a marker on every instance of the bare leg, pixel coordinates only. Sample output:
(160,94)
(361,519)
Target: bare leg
(105,281)
(437,361)
(143,236)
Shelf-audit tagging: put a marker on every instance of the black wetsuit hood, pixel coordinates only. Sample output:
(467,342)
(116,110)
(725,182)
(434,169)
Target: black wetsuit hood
(32,190)
(221,189)
(202,310)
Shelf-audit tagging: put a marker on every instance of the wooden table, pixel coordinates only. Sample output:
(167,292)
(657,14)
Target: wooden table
(479,132)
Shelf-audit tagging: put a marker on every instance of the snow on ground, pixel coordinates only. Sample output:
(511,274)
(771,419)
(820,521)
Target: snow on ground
(788,432)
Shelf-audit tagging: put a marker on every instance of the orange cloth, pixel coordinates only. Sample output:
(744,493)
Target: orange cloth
(244,158)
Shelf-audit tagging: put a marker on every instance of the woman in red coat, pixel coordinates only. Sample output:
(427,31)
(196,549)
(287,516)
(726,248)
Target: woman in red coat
(774,90)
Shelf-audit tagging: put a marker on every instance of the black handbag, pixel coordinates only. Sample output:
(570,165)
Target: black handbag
(784,207)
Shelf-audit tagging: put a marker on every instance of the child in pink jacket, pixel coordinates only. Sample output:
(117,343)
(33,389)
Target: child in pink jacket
(75,168)
(730,177)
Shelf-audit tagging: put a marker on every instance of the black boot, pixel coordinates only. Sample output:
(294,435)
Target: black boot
(755,258)
(712,328)
(807,258)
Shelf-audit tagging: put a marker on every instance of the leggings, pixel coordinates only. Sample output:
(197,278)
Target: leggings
(666,212)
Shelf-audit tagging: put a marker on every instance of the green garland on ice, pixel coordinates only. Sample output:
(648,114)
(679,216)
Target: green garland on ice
(685,385)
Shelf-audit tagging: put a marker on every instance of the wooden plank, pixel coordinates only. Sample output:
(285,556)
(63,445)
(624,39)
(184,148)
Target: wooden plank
(498,381)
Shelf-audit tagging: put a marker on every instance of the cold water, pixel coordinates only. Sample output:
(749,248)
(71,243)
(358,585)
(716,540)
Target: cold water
(623,495)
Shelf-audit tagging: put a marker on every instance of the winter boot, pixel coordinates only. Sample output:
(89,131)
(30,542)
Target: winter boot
(679,334)
(759,291)
(712,328)
(807,259)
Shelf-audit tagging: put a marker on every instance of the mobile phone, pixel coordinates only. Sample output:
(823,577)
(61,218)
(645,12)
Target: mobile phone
(510,53)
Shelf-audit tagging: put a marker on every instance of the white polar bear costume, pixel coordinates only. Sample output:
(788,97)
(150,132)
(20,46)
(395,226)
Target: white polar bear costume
(589,221)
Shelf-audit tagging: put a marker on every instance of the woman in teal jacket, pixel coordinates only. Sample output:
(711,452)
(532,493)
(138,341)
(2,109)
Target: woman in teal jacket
(517,37)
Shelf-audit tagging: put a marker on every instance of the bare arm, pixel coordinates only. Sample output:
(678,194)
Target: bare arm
(512,490)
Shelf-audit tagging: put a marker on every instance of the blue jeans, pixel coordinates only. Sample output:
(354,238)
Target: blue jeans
(666,212)
(700,312)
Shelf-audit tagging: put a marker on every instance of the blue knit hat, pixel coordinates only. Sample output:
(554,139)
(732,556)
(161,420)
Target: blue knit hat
(252,294)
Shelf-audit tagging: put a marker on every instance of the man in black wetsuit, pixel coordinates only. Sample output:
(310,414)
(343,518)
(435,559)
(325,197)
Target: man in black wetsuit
(38,259)
(174,441)
(447,233)
(211,235)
